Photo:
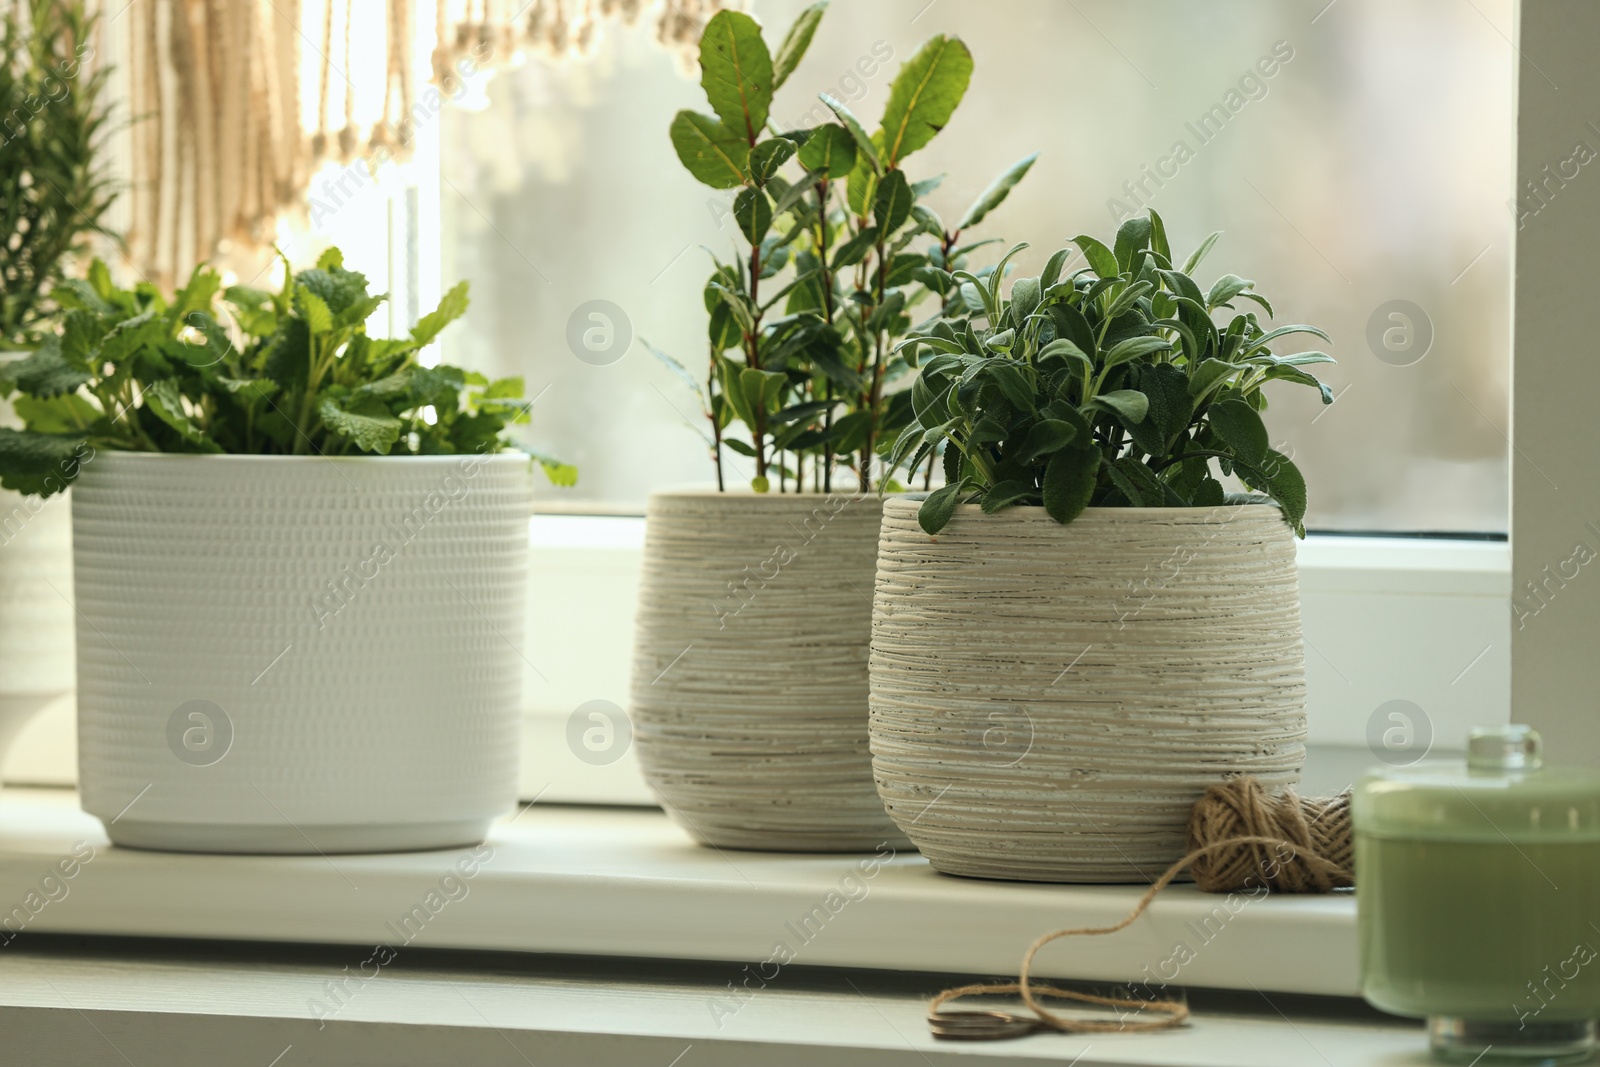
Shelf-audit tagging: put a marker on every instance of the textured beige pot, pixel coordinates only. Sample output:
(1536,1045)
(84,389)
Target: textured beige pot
(749,699)
(1049,701)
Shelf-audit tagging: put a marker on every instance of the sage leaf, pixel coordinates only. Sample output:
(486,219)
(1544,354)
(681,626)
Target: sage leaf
(1046,437)
(1135,348)
(1132,235)
(1288,487)
(1063,348)
(1069,482)
(1241,429)
(1200,253)
(1158,238)
(1130,404)
(1025,296)
(1005,494)
(937,510)
(1099,256)
(1052,268)
(1226,288)
(1167,390)
(1299,377)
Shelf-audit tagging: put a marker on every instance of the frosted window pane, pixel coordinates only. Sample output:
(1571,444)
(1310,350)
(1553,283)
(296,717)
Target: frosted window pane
(1372,166)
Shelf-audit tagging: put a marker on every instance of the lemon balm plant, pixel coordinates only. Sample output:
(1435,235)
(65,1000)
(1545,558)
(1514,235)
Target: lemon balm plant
(839,253)
(300,563)
(287,373)
(1110,386)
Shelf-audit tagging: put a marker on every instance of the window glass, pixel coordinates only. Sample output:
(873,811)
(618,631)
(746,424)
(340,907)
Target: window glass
(1357,155)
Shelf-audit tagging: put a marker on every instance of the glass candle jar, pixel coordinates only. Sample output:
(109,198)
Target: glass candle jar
(1478,896)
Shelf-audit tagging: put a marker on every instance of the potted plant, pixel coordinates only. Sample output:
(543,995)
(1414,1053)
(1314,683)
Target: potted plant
(1083,629)
(750,688)
(54,194)
(299,558)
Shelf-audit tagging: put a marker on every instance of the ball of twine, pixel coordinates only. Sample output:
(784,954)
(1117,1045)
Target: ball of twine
(1290,843)
(1239,837)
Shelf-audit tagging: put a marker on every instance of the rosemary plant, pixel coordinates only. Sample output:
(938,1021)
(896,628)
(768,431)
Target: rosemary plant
(53,192)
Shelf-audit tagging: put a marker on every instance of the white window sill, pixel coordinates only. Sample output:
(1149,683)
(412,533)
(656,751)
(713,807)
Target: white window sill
(81,1004)
(620,882)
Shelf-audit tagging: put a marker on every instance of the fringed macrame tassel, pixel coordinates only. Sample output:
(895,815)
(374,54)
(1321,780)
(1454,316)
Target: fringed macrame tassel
(222,151)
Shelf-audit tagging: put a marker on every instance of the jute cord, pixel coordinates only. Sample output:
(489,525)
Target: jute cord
(1239,836)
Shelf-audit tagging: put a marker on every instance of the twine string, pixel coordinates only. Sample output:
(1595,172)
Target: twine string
(1239,835)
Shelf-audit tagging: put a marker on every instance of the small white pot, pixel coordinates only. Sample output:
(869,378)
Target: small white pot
(299,654)
(35,600)
(749,700)
(35,610)
(1049,701)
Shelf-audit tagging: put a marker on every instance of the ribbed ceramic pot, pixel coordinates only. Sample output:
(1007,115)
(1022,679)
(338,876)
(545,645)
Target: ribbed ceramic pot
(298,654)
(1049,701)
(749,700)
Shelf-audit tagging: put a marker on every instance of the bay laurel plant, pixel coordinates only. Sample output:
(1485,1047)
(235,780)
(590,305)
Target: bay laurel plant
(1115,385)
(287,373)
(804,317)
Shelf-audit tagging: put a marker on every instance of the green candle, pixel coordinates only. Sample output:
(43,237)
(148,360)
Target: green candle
(1478,894)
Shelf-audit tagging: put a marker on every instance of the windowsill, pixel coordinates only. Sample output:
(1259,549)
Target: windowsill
(628,883)
(84,1001)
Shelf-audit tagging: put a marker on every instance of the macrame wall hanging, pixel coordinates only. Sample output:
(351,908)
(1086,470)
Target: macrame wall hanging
(239,102)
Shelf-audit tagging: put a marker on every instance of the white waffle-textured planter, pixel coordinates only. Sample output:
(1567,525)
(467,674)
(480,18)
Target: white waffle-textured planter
(299,654)
(749,697)
(1049,701)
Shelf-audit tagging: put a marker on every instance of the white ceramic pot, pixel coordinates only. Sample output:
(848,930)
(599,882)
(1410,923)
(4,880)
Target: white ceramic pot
(35,601)
(1049,701)
(749,699)
(298,654)
(35,609)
